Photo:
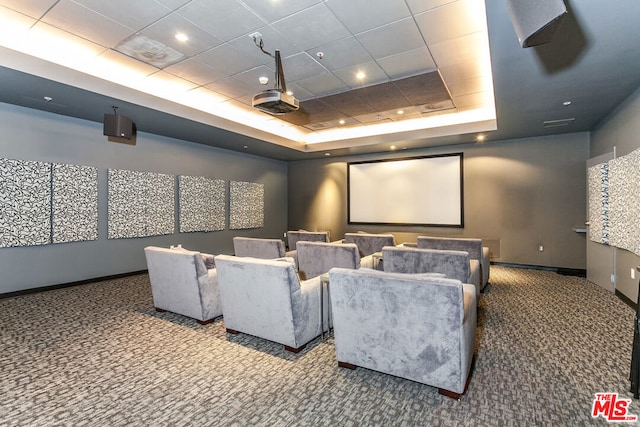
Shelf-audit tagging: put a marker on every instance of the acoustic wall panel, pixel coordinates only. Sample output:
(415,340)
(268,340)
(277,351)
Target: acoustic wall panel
(140,204)
(159,203)
(74,203)
(246,205)
(598,179)
(25,203)
(624,202)
(202,204)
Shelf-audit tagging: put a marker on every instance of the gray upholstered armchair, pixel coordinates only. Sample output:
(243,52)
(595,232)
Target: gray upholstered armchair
(368,244)
(473,246)
(453,264)
(181,283)
(317,258)
(418,327)
(293,237)
(266,299)
(260,248)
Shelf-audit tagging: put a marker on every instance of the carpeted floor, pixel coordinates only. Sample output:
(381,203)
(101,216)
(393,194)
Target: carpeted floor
(99,355)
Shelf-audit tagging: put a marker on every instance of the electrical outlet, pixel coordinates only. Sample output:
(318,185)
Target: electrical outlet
(540,248)
(613,279)
(633,273)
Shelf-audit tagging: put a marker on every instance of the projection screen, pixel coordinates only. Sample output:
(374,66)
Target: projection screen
(424,191)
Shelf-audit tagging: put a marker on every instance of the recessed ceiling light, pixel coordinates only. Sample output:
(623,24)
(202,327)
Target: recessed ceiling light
(480,138)
(400,111)
(393,147)
(360,75)
(48,98)
(245,147)
(181,37)
(341,121)
(327,154)
(566,103)
(289,93)
(320,55)
(263,80)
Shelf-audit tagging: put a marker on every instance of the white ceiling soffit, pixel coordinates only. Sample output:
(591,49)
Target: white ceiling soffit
(448,37)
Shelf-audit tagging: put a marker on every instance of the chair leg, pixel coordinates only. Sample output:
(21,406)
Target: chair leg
(450,394)
(232,331)
(294,350)
(160,310)
(346,365)
(205,322)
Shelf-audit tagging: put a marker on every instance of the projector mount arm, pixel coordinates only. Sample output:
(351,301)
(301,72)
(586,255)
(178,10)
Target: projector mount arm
(279,80)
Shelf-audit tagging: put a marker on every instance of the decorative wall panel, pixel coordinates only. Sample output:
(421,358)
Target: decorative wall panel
(140,204)
(202,204)
(74,203)
(159,203)
(598,178)
(624,202)
(25,203)
(246,205)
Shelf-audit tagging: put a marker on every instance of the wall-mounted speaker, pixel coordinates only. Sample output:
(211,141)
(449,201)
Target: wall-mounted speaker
(118,126)
(535,21)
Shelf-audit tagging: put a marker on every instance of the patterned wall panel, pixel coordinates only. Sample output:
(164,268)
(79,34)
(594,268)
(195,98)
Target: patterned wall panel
(25,203)
(140,204)
(74,203)
(159,203)
(598,179)
(246,205)
(624,179)
(202,204)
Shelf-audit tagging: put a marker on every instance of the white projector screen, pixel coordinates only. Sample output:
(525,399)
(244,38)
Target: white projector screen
(411,191)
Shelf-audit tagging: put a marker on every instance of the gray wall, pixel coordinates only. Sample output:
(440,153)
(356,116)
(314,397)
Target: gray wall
(34,135)
(518,194)
(621,129)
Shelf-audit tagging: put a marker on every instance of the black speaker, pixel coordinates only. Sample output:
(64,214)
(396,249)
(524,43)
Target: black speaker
(535,21)
(118,126)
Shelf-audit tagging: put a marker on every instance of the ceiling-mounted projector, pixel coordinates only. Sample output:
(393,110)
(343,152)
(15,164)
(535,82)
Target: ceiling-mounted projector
(276,101)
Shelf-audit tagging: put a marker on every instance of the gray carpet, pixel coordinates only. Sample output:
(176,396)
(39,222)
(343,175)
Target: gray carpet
(99,355)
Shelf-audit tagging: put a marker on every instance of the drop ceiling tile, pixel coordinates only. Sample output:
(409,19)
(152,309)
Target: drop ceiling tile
(373,75)
(466,87)
(471,69)
(272,11)
(372,118)
(15,22)
(312,27)
(32,8)
(408,63)
(418,6)
(250,78)
(397,37)
(79,20)
(383,97)
(298,91)
(195,71)
(300,67)
(232,88)
(460,49)
(341,53)
(134,14)
(348,103)
(423,89)
(322,84)
(470,102)
(173,4)
(125,62)
(166,28)
(226,19)
(272,41)
(450,21)
(363,15)
(228,59)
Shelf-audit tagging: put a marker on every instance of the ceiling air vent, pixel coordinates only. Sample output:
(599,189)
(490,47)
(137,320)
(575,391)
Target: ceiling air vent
(556,123)
(148,50)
